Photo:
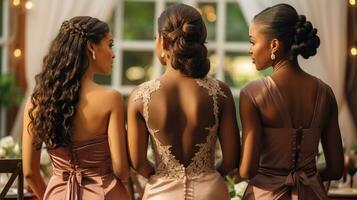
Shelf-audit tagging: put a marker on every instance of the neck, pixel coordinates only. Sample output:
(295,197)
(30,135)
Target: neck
(286,65)
(171,72)
(87,77)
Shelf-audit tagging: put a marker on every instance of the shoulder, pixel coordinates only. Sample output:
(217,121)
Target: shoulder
(330,96)
(254,86)
(255,90)
(214,86)
(108,96)
(224,88)
(28,106)
(144,90)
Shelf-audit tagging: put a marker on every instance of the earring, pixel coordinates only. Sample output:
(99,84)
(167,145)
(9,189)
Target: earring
(272,56)
(162,54)
(93,55)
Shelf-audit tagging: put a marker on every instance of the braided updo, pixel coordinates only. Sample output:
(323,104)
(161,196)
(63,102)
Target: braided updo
(56,93)
(185,32)
(298,35)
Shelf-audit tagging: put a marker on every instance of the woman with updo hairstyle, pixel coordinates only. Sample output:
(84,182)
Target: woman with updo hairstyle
(285,115)
(184,113)
(80,123)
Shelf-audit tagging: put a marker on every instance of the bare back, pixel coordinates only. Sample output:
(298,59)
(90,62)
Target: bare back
(183,112)
(93,112)
(184,117)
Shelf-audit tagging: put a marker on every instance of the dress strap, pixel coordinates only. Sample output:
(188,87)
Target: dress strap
(144,93)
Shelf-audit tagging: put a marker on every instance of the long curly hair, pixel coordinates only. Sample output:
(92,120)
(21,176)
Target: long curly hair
(56,93)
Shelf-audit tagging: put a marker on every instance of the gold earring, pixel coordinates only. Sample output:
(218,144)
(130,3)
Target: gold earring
(162,54)
(272,56)
(93,55)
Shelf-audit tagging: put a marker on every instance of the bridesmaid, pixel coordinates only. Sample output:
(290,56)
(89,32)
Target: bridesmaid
(285,116)
(184,113)
(80,122)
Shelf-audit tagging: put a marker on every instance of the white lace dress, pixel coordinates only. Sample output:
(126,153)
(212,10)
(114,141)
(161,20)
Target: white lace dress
(199,180)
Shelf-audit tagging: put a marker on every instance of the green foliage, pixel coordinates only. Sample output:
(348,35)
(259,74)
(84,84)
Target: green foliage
(236,26)
(139,20)
(236,190)
(10,93)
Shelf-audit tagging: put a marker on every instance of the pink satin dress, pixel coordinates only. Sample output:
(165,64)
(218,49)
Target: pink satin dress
(84,172)
(172,180)
(287,168)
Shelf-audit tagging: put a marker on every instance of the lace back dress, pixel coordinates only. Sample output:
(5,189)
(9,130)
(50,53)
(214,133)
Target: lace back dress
(172,180)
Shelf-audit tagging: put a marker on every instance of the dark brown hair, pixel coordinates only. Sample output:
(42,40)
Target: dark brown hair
(185,32)
(56,93)
(283,22)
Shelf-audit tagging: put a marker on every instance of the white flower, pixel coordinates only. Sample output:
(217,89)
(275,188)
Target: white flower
(45,158)
(240,187)
(235,198)
(17,149)
(7,142)
(2,153)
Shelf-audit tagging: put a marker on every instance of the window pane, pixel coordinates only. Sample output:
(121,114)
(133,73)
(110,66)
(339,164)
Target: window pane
(0,60)
(126,99)
(171,2)
(212,58)
(138,20)
(236,26)
(103,80)
(239,69)
(1,125)
(209,15)
(111,22)
(137,67)
(1,16)
(236,103)
(1,70)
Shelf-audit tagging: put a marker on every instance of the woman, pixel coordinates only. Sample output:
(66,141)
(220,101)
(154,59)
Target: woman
(184,112)
(284,116)
(80,122)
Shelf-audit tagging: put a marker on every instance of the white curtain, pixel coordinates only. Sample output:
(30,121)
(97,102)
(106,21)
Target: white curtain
(329,64)
(42,24)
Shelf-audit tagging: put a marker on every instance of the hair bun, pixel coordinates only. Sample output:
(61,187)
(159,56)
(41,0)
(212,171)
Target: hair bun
(186,34)
(302,18)
(305,41)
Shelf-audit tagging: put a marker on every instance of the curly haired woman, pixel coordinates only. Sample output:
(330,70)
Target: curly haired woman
(80,122)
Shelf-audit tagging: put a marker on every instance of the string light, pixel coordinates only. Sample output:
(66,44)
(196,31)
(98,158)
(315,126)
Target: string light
(353,51)
(352,2)
(211,17)
(29,5)
(16,2)
(17,53)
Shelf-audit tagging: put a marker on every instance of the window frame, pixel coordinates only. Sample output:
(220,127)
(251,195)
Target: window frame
(220,46)
(4,57)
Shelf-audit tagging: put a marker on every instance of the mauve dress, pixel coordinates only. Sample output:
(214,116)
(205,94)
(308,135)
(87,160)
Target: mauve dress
(84,172)
(287,168)
(172,180)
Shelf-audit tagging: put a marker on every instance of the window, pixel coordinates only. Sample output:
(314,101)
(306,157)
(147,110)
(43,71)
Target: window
(3,53)
(134,25)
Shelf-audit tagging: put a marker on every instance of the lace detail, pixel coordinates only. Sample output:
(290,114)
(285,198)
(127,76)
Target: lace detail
(203,161)
(144,93)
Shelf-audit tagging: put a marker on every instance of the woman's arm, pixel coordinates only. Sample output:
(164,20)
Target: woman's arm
(138,138)
(332,145)
(251,137)
(229,134)
(117,138)
(31,157)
